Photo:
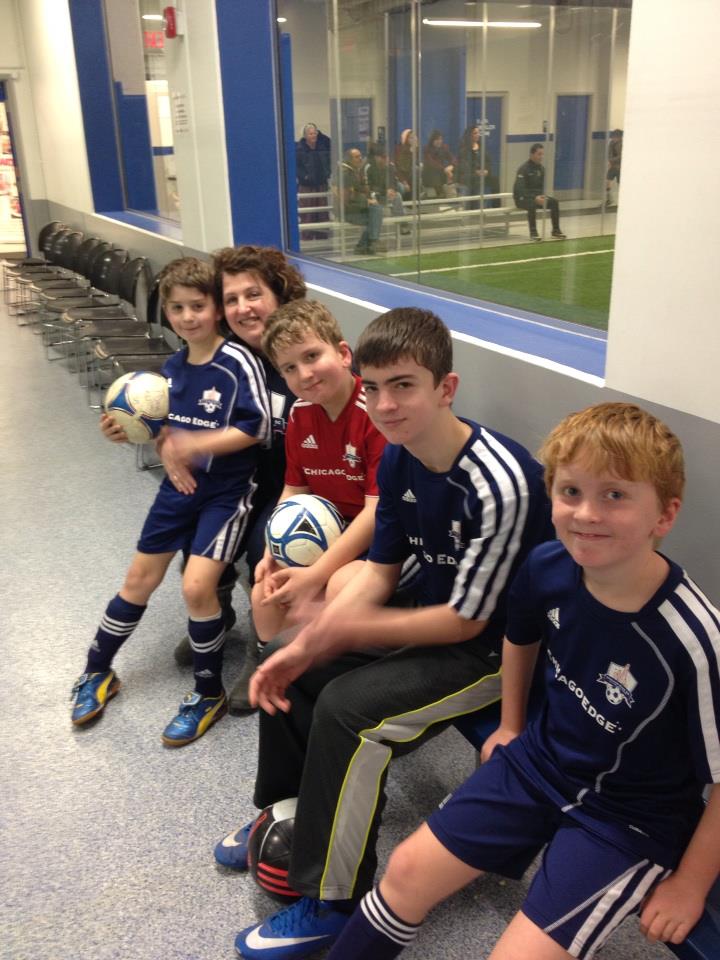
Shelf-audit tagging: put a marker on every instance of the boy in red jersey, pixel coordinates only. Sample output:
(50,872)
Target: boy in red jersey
(332,451)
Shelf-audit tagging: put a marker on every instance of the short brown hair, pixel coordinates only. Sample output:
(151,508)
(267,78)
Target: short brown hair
(268,263)
(187,272)
(292,322)
(406,332)
(622,439)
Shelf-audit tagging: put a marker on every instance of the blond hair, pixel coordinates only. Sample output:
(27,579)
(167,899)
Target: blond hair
(621,439)
(292,322)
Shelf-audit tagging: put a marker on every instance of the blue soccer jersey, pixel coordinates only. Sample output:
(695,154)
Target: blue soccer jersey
(469,528)
(228,391)
(630,729)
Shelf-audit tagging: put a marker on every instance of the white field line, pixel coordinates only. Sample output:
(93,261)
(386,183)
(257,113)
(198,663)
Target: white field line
(501,263)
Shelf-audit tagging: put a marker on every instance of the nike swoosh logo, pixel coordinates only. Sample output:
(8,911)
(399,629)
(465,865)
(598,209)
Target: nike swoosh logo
(231,841)
(258,942)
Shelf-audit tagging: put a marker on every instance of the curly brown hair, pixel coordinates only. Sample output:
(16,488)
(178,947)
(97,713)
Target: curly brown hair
(187,272)
(268,263)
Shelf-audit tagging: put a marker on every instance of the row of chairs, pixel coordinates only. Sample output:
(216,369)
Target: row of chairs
(95,306)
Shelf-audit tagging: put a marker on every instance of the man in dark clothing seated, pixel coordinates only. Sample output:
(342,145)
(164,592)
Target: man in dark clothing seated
(528,193)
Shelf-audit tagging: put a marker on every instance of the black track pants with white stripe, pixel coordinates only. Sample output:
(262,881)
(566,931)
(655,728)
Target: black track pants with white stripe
(332,751)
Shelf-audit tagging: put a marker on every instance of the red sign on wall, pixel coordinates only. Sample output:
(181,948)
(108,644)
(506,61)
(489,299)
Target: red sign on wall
(154,39)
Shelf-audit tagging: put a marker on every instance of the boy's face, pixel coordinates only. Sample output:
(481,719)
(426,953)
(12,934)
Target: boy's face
(605,522)
(314,370)
(403,400)
(248,302)
(193,315)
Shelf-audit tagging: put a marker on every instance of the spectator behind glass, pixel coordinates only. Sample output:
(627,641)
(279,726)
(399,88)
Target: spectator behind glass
(383,183)
(614,162)
(474,170)
(438,166)
(356,203)
(312,162)
(406,158)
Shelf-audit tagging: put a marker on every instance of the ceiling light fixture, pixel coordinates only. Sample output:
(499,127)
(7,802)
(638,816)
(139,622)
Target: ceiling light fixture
(152,16)
(510,24)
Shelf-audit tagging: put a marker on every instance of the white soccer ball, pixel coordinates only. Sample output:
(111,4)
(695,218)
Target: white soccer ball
(301,529)
(138,402)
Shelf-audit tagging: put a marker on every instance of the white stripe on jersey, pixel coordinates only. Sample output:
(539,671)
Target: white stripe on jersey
(503,466)
(257,383)
(698,606)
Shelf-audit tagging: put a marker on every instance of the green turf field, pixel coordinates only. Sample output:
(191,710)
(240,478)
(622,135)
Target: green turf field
(567,279)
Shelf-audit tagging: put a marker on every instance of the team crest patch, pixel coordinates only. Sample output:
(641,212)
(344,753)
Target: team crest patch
(455,532)
(351,455)
(619,684)
(210,400)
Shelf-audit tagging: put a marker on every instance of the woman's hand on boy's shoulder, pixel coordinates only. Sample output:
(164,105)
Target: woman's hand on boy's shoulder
(672,909)
(112,430)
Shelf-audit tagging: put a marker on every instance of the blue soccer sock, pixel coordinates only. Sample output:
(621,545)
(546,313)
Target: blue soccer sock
(373,932)
(120,619)
(207,638)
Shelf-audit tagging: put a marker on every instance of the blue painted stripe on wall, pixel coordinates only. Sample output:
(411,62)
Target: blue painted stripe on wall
(2,92)
(569,344)
(163,151)
(93,69)
(288,126)
(528,137)
(248,63)
(136,150)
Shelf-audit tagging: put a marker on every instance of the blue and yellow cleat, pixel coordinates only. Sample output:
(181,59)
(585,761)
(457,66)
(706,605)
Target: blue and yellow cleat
(297,931)
(90,694)
(197,714)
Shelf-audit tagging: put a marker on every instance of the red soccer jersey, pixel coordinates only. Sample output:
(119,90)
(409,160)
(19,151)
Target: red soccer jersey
(337,459)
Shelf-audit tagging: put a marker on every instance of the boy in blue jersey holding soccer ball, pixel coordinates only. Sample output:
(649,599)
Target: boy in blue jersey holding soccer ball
(610,774)
(363,683)
(219,413)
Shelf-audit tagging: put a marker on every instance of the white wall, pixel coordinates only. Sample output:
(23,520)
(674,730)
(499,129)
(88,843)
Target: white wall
(193,71)
(664,342)
(50,64)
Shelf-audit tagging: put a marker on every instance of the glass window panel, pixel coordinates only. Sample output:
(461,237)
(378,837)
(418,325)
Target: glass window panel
(142,106)
(432,111)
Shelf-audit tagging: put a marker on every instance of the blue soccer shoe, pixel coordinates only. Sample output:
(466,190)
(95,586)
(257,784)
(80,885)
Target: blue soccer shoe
(297,931)
(232,851)
(91,693)
(197,714)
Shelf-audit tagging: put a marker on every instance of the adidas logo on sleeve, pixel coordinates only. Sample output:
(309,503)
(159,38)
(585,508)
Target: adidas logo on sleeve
(409,496)
(309,443)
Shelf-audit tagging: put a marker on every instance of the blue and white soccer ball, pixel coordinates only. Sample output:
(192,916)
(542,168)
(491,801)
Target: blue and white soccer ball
(138,402)
(301,529)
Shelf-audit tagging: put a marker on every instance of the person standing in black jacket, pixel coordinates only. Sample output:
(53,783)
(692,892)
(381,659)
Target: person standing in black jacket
(312,163)
(529,193)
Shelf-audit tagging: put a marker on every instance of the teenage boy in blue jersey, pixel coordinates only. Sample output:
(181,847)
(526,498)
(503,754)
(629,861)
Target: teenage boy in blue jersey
(363,683)
(219,413)
(610,774)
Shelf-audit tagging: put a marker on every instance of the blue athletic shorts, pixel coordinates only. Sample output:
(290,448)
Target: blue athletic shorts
(209,523)
(499,820)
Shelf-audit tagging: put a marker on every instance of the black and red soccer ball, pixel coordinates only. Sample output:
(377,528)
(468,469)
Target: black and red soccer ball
(269,846)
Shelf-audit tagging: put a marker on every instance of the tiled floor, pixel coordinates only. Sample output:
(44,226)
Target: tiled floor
(105,836)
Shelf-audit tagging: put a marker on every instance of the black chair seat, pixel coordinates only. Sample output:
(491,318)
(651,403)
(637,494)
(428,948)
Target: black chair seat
(117,346)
